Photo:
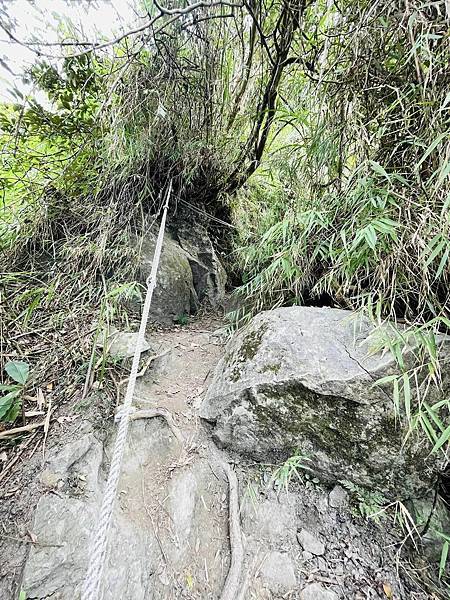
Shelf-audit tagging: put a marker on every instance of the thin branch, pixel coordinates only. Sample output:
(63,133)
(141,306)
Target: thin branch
(176,12)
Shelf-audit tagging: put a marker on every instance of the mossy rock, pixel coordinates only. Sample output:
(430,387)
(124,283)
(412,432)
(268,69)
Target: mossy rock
(304,379)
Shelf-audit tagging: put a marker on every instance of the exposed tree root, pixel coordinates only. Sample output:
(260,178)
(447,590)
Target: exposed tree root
(159,412)
(231,586)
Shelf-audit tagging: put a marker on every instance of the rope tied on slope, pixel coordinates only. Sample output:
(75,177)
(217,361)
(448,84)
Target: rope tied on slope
(92,589)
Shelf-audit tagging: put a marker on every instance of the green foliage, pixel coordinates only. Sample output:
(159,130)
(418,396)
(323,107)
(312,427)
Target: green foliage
(368,504)
(64,238)
(18,371)
(182,319)
(48,152)
(289,471)
(419,391)
(351,205)
(361,213)
(339,113)
(152,136)
(444,554)
(11,402)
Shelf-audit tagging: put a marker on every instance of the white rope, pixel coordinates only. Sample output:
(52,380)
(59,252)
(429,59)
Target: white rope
(92,589)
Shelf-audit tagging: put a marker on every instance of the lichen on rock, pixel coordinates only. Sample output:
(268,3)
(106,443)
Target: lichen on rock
(321,399)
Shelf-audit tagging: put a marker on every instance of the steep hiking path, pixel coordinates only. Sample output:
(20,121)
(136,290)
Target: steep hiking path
(171,527)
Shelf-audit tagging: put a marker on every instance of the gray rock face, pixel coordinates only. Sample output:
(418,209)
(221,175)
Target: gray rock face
(303,378)
(63,523)
(189,272)
(150,543)
(208,274)
(315,591)
(174,293)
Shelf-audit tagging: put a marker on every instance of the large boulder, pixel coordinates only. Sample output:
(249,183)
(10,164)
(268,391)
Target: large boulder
(174,293)
(189,273)
(208,274)
(303,379)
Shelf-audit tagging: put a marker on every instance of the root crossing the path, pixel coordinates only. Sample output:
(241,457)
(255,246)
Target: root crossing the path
(232,582)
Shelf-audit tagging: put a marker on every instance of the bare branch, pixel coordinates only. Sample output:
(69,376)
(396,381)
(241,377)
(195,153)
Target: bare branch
(175,13)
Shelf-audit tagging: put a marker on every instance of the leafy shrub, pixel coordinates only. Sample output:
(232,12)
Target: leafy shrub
(351,205)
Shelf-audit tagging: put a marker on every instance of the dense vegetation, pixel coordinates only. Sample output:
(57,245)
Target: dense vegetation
(319,129)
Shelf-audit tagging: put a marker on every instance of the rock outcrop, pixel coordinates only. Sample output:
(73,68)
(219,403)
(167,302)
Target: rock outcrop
(170,534)
(302,380)
(189,274)
(174,293)
(209,276)
(67,515)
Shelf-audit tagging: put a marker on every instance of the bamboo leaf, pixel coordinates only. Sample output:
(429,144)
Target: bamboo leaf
(443,262)
(436,251)
(443,560)
(379,170)
(434,144)
(407,396)
(443,439)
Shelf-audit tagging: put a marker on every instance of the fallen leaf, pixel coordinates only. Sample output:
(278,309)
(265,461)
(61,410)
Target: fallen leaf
(40,399)
(32,536)
(388,591)
(189,581)
(68,418)
(47,419)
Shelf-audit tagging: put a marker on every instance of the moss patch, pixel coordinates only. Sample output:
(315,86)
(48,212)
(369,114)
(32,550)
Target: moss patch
(328,421)
(251,343)
(247,350)
(272,368)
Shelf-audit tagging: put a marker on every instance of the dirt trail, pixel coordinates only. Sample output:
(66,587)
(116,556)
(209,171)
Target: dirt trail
(177,491)
(170,535)
(170,531)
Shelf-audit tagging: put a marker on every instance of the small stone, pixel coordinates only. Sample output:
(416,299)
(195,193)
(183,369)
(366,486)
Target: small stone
(338,497)
(277,572)
(322,565)
(164,578)
(307,555)
(322,503)
(49,479)
(315,591)
(121,344)
(310,543)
